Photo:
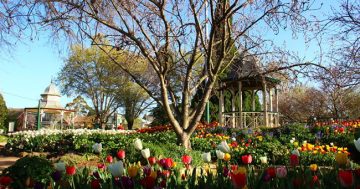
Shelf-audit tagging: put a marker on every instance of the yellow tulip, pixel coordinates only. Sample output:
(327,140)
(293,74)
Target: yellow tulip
(227,157)
(132,171)
(153,174)
(296,144)
(313,167)
(341,158)
(241,170)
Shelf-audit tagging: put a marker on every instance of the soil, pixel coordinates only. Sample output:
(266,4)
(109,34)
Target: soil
(6,161)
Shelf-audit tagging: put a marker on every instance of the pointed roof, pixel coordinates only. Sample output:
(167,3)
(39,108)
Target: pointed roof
(51,90)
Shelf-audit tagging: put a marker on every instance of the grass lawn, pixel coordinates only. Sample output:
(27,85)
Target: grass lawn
(3,138)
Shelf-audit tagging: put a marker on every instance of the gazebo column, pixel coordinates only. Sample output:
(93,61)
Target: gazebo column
(253,108)
(25,119)
(240,104)
(271,122)
(61,119)
(265,108)
(221,106)
(277,107)
(233,115)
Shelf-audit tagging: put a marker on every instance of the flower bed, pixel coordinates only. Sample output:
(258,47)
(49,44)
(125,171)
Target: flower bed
(157,171)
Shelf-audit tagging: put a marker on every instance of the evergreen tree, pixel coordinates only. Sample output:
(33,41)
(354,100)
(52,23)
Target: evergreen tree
(3,112)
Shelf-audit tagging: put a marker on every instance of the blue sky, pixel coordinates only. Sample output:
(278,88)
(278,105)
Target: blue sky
(28,69)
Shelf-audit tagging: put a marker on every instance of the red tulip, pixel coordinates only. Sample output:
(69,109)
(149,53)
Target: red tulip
(95,184)
(166,173)
(5,180)
(238,180)
(294,160)
(101,166)
(70,170)
(148,182)
(346,178)
(152,160)
(271,171)
(109,159)
(121,154)
(186,159)
(246,159)
(168,163)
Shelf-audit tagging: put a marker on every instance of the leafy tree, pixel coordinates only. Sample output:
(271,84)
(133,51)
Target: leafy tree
(80,106)
(3,112)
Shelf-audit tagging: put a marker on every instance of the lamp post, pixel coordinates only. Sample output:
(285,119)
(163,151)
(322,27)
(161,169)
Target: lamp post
(38,116)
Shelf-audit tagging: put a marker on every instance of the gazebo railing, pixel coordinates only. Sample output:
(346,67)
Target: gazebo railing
(250,119)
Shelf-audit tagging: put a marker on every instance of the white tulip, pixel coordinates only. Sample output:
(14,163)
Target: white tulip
(145,153)
(357,144)
(97,147)
(296,152)
(138,144)
(60,166)
(224,147)
(331,144)
(263,160)
(116,169)
(220,154)
(206,157)
(292,141)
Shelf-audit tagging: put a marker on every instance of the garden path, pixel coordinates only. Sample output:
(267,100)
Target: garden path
(6,161)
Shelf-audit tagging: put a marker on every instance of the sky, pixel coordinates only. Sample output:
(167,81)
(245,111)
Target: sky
(28,69)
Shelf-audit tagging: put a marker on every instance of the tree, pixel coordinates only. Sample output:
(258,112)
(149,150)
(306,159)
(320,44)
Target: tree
(80,106)
(85,73)
(155,29)
(3,112)
(134,100)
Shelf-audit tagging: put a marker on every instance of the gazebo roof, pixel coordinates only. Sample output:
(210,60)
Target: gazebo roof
(247,70)
(51,90)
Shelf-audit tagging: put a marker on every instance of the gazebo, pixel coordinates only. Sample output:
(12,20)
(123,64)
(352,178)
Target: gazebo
(49,110)
(245,75)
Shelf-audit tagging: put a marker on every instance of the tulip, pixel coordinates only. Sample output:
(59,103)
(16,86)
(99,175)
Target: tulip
(220,154)
(97,147)
(95,184)
(294,160)
(296,152)
(145,153)
(109,159)
(132,171)
(271,171)
(116,169)
(226,172)
(148,182)
(281,172)
(121,154)
(166,173)
(70,170)
(206,157)
(313,167)
(238,179)
(5,180)
(60,166)
(246,159)
(341,158)
(186,159)
(127,182)
(227,157)
(167,163)
(138,144)
(357,144)
(152,160)
(101,166)
(263,160)
(346,178)
(56,175)
(224,147)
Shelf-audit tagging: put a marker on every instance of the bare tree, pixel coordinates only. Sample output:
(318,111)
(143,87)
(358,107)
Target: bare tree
(159,30)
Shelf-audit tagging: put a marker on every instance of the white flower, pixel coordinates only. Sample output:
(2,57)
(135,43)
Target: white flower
(220,154)
(331,144)
(60,166)
(292,141)
(296,152)
(233,139)
(206,157)
(357,144)
(97,147)
(224,147)
(304,142)
(145,153)
(138,144)
(116,169)
(263,160)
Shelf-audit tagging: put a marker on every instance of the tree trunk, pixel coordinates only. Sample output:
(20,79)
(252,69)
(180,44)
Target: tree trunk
(184,140)
(130,123)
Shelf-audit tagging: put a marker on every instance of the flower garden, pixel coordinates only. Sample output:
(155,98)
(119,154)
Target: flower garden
(324,155)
